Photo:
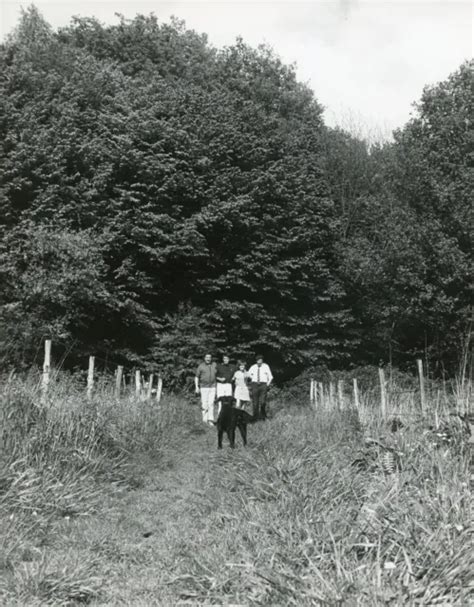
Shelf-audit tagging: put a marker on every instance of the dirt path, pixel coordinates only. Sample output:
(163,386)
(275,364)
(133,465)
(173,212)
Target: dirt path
(139,540)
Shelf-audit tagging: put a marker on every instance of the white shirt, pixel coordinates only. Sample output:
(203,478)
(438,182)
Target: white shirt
(261,374)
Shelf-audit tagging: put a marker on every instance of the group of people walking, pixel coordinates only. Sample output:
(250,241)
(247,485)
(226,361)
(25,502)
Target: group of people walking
(214,380)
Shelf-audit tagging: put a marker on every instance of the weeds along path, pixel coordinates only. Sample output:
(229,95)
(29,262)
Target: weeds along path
(288,521)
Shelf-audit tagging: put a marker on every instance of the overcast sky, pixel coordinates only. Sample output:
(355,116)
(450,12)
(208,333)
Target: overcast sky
(367,61)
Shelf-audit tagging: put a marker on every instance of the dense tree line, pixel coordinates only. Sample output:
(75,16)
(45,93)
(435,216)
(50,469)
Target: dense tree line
(159,197)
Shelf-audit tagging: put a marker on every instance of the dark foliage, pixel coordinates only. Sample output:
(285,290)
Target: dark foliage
(159,198)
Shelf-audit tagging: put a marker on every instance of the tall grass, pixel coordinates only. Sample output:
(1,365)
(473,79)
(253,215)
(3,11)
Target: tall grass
(318,513)
(324,508)
(57,458)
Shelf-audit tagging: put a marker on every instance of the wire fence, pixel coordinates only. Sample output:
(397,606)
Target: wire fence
(386,399)
(426,400)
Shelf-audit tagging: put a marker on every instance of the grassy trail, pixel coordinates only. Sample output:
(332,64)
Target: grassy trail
(309,514)
(141,543)
(162,510)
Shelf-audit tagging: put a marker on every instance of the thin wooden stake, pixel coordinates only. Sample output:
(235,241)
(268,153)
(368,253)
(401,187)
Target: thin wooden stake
(436,413)
(419,364)
(356,393)
(90,377)
(340,394)
(321,394)
(383,396)
(312,393)
(469,403)
(118,381)
(332,395)
(159,388)
(137,384)
(46,369)
(149,386)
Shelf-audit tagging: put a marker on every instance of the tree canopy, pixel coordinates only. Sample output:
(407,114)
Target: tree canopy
(159,197)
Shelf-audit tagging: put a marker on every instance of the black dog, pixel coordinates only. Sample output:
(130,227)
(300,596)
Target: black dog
(229,419)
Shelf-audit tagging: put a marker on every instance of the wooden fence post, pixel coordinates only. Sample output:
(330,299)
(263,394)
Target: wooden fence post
(332,395)
(419,364)
(90,377)
(356,393)
(159,388)
(340,394)
(149,386)
(312,393)
(118,381)
(383,394)
(137,383)
(321,394)
(46,369)
(436,413)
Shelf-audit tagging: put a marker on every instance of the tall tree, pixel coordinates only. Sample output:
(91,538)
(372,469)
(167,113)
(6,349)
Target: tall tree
(408,254)
(200,171)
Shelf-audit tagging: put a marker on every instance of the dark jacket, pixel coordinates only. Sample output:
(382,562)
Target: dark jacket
(225,371)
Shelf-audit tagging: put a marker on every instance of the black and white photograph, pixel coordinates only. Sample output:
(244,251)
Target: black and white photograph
(236,303)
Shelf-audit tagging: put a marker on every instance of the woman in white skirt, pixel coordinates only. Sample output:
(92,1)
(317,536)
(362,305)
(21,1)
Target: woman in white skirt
(241,392)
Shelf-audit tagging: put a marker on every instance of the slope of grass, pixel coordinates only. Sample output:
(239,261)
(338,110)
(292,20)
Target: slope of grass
(318,510)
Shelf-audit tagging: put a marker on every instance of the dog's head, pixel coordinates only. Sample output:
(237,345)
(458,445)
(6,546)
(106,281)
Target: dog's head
(226,401)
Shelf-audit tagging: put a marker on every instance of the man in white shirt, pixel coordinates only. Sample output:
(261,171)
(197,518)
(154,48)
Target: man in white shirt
(260,377)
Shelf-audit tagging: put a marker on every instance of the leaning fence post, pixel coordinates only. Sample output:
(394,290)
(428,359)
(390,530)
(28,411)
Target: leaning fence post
(118,381)
(419,364)
(356,393)
(159,388)
(340,394)
(90,377)
(383,396)
(137,383)
(46,369)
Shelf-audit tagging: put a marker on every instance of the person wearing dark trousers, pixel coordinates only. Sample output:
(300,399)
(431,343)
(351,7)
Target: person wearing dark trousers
(260,379)
(224,376)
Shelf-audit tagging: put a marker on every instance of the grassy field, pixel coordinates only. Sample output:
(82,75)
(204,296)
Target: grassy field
(123,503)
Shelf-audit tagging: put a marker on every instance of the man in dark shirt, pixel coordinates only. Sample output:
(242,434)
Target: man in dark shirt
(205,383)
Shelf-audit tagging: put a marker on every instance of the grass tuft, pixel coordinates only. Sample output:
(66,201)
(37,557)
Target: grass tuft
(71,585)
